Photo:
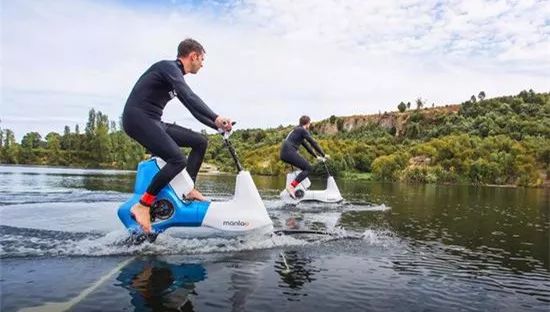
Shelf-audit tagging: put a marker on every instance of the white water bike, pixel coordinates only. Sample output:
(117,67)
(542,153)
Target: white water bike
(329,195)
(242,214)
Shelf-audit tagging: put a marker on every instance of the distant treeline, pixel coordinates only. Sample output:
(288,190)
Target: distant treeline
(503,140)
(102,144)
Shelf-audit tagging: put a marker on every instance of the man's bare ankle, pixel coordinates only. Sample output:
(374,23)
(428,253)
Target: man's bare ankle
(195,194)
(139,206)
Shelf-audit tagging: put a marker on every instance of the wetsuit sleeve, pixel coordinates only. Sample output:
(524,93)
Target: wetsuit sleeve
(309,149)
(204,120)
(189,99)
(313,143)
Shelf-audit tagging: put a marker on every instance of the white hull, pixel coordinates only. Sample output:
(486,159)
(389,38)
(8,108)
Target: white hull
(243,213)
(330,195)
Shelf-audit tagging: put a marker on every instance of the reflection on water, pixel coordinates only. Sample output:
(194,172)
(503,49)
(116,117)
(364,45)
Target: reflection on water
(296,270)
(161,286)
(117,183)
(156,284)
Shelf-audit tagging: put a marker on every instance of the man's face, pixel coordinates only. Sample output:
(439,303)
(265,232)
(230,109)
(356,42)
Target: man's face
(196,62)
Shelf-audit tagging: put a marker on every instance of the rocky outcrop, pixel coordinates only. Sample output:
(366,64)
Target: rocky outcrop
(389,121)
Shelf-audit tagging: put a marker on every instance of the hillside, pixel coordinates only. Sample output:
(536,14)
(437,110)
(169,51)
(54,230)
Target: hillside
(502,141)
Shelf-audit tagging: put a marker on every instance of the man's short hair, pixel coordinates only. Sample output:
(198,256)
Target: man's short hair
(304,120)
(189,45)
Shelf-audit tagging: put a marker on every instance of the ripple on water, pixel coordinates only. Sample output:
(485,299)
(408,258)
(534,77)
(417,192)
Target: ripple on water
(462,271)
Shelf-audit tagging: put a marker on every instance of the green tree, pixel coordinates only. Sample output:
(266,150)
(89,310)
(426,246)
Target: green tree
(419,103)
(91,124)
(102,146)
(259,136)
(126,153)
(543,155)
(11,148)
(387,167)
(481,95)
(28,152)
(340,124)
(31,140)
(66,138)
(98,142)
(1,139)
(53,141)
(402,107)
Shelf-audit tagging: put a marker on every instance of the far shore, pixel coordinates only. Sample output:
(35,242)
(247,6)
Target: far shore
(350,176)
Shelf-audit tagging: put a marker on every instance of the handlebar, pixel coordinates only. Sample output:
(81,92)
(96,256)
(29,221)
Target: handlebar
(227,143)
(224,133)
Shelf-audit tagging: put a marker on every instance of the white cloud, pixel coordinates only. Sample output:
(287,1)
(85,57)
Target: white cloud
(268,61)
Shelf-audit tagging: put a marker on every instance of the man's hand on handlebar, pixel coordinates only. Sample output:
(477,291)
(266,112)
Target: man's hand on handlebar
(224,123)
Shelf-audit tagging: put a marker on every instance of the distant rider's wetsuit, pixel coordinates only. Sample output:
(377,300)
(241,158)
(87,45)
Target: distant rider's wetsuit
(141,120)
(289,151)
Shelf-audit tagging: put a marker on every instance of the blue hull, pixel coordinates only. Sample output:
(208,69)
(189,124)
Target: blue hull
(187,214)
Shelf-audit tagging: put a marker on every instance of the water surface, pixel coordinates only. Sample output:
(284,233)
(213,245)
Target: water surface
(395,247)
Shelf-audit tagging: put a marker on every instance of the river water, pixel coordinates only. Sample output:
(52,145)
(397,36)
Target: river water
(395,247)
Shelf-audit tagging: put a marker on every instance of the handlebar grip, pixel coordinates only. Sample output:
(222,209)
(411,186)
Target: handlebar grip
(224,133)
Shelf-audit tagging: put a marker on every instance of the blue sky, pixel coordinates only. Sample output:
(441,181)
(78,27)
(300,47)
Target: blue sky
(267,62)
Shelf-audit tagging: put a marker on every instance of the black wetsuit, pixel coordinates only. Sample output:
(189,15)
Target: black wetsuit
(289,150)
(141,121)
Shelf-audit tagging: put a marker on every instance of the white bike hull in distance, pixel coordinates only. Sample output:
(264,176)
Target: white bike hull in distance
(330,195)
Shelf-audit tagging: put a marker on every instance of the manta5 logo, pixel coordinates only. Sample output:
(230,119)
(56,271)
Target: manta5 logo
(236,223)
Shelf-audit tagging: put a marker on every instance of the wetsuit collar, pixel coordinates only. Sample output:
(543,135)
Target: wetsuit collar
(180,64)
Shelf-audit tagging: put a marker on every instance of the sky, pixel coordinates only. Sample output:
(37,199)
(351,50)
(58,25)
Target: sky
(267,62)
